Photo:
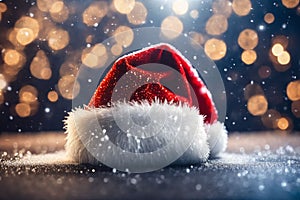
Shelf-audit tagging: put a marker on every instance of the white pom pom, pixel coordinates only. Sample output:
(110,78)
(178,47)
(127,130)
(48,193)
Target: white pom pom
(217,138)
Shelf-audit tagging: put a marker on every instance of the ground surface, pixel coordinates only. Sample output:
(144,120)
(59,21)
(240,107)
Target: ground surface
(255,166)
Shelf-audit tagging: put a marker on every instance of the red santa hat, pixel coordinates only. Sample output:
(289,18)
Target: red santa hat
(132,89)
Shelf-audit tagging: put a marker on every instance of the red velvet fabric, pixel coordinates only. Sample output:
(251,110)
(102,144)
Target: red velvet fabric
(148,84)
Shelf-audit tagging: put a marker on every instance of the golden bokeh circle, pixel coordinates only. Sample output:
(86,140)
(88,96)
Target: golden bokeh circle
(124,6)
(270,118)
(68,87)
(215,49)
(28,94)
(216,24)
(290,3)
(52,96)
(283,123)
(58,39)
(138,14)
(293,90)
(257,105)
(25,36)
(277,49)
(223,7)
(12,57)
(249,56)
(3,7)
(124,36)
(171,27)
(269,18)
(180,7)
(248,39)
(23,109)
(241,7)
(284,58)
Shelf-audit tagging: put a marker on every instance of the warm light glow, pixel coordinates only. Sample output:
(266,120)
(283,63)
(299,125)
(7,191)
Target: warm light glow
(249,57)
(284,58)
(124,36)
(180,7)
(269,18)
(12,57)
(3,7)
(241,7)
(216,25)
(293,90)
(296,108)
(58,39)
(171,27)
(1,97)
(197,38)
(264,71)
(23,109)
(25,36)
(68,87)
(283,123)
(52,96)
(281,39)
(194,14)
(223,7)
(257,105)
(95,56)
(124,6)
(215,49)
(116,50)
(252,89)
(270,118)
(3,82)
(290,3)
(59,12)
(138,14)
(69,68)
(40,67)
(28,94)
(29,23)
(57,7)
(277,49)
(94,13)
(248,39)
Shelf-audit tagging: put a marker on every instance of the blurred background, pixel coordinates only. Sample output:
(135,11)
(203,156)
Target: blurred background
(43,43)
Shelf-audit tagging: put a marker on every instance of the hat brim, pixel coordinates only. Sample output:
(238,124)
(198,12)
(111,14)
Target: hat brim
(81,123)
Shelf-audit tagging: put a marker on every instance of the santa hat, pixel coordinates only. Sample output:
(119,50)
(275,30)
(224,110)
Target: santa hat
(132,90)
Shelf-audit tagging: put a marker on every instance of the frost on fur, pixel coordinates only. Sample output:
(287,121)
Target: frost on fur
(164,121)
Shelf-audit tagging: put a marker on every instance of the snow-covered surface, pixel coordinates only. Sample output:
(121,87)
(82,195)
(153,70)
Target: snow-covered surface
(256,166)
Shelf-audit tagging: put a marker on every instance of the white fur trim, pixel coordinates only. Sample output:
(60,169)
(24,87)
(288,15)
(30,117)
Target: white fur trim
(82,122)
(217,138)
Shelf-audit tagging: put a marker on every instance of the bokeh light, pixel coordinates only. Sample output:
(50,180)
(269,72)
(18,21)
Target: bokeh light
(284,58)
(171,27)
(277,49)
(241,7)
(293,90)
(28,94)
(215,48)
(3,82)
(12,57)
(40,67)
(124,36)
(264,71)
(290,3)
(58,39)
(295,108)
(257,105)
(283,123)
(216,24)
(94,13)
(124,6)
(269,18)
(52,96)
(68,86)
(23,109)
(270,118)
(248,39)
(249,56)
(138,15)
(223,7)
(180,7)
